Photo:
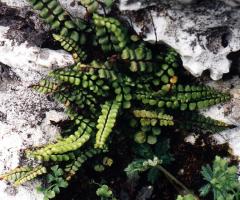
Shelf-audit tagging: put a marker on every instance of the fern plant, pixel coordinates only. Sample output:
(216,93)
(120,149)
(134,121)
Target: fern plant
(117,80)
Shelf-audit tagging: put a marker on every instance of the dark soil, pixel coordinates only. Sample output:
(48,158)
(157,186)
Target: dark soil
(186,167)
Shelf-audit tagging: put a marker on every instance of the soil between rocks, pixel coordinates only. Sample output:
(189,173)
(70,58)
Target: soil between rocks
(189,158)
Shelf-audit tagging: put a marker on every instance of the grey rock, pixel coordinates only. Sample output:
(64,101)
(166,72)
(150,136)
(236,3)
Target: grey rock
(25,115)
(204,33)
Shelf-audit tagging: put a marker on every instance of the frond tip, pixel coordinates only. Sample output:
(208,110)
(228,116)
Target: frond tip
(21,175)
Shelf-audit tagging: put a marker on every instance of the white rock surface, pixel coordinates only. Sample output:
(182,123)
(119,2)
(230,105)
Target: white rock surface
(24,59)
(228,112)
(203,34)
(25,115)
(70,5)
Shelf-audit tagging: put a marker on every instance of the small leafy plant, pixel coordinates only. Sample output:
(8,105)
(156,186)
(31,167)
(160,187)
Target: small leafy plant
(141,165)
(105,193)
(222,180)
(55,182)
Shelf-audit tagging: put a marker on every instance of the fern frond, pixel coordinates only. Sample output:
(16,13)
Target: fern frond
(45,86)
(53,13)
(77,163)
(106,122)
(21,175)
(110,34)
(70,143)
(90,80)
(15,174)
(36,171)
(56,157)
(72,46)
(185,98)
(153,118)
(196,121)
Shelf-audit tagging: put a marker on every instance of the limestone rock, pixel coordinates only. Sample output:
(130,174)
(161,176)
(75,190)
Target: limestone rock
(25,115)
(202,33)
(228,112)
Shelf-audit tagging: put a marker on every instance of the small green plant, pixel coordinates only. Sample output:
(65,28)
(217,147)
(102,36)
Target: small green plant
(222,180)
(138,166)
(55,181)
(141,165)
(105,193)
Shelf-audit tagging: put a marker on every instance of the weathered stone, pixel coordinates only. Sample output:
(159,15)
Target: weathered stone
(25,115)
(203,33)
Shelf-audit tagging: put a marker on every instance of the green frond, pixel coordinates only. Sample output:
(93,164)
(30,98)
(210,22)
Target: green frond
(195,121)
(78,97)
(74,166)
(151,118)
(72,46)
(56,157)
(68,75)
(106,122)
(15,174)
(21,175)
(87,77)
(33,173)
(53,13)
(184,98)
(110,34)
(68,144)
(45,86)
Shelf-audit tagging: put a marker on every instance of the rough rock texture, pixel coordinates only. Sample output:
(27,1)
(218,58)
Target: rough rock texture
(25,116)
(204,32)
(228,112)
